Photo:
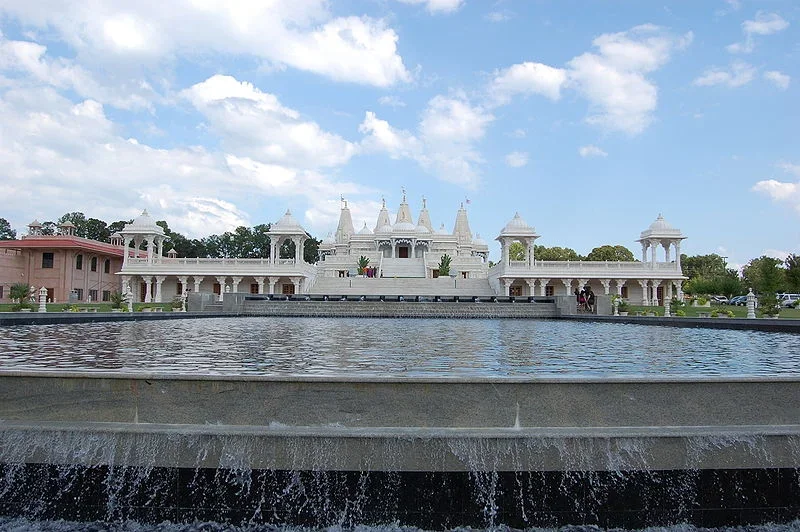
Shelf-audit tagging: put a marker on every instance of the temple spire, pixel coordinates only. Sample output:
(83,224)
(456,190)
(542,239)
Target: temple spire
(425,217)
(404,212)
(461,229)
(383,217)
(345,229)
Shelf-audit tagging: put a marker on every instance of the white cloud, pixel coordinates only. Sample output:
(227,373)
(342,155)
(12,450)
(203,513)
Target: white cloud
(253,123)
(517,159)
(445,144)
(301,34)
(780,79)
(737,75)
(437,6)
(498,16)
(763,24)
(518,133)
(780,191)
(391,101)
(790,168)
(591,151)
(31,59)
(527,78)
(613,80)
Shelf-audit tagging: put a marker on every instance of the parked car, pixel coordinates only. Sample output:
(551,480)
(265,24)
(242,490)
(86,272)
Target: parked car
(739,301)
(719,300)
(788,300)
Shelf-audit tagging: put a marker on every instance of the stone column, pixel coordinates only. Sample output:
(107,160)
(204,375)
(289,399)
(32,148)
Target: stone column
(679,288)
(620,284)
(147,283)
(606,286)
(126,242)
(667,250)
(504,252)
(645,301)
(507,286)
(125,284)
(668,288)
(184,280)
(644,251)
(260,281)
(150,251)
(221,280)
(159,280)
(543,286)
(678,254)
(272,281)
(666,308)
(654,299)
(159,249)
(531,286)
(296,283)
(197,279)
(235,284)
(568,286)
(654,245)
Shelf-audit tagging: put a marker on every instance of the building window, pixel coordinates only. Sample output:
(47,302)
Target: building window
(93,264)
(515,291)
(78,293)
(47,260)
(93,295)
(106,295)
(465,275)
(51,295)
(79,262)
(216,289)
(1,291)
(178,288)
(625,292)
(549,291)
(253,288)
(107,266)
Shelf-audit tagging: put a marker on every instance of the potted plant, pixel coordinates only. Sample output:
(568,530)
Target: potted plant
(622,307)
(363,263)
(20,293)
(444,265)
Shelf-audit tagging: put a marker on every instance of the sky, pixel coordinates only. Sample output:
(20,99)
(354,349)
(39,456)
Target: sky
(589,118)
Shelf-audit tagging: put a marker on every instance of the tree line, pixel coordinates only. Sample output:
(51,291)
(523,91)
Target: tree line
(242,242)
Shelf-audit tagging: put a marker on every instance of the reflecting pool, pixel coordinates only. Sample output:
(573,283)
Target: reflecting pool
(362,347)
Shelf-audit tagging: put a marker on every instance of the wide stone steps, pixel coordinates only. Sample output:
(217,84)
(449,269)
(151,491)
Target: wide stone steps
(443,286)
(395,309)
(403,268)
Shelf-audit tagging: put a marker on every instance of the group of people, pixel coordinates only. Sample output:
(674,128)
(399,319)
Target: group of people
(585,299)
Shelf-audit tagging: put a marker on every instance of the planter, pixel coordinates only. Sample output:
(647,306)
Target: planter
(623,312)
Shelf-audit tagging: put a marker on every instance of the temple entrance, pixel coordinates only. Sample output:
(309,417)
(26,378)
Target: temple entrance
(402,252)
(288,289)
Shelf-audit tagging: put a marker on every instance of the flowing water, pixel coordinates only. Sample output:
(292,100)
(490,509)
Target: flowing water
(60,497)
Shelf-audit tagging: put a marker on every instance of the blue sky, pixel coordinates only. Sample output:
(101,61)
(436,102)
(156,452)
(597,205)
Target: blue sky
(589,118)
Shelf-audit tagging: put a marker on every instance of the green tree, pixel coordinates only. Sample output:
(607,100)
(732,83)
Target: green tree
(49,228)
(792,264)
(311,250)
(765,275)
(555,253)
(708,266)
(96,230)
(516,251)
(6,233)
(444,265)
(612,253)
(119,225)
(20,292)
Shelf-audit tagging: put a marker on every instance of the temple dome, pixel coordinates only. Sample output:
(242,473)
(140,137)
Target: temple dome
(365,230)
(422,229)
(478,241)
(404,227)
(287,224)
(517,227)
(660,228)
(384,229)
(143,224)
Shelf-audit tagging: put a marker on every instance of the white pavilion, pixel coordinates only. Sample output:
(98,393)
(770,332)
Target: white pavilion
(403,259)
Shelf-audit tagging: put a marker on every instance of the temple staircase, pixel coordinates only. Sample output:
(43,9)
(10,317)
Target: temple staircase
(402,268)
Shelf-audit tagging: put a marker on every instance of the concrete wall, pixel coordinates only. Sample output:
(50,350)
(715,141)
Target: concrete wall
(409,424)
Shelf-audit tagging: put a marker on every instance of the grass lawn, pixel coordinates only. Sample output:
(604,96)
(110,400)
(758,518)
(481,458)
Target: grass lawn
(692,312)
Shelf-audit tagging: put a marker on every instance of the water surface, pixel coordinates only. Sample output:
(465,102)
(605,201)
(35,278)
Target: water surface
(398,348)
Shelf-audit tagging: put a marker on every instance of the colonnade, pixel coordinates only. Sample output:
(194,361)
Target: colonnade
(228,284)
(649,287)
